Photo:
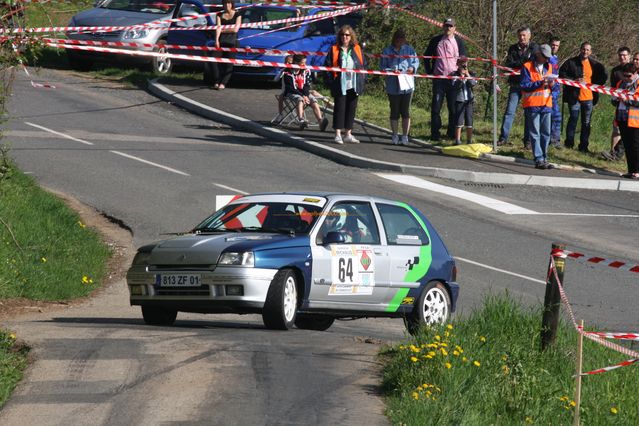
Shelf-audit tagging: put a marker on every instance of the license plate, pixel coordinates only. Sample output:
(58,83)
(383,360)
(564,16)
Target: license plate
(178,280)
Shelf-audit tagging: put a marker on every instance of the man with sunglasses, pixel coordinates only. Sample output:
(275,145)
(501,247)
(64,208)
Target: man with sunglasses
(444,50)
(616,75)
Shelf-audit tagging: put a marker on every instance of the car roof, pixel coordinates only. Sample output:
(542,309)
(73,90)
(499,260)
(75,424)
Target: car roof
(329,195)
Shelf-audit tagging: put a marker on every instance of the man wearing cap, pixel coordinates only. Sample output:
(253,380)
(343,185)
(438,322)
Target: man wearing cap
(537,81)
(518,54)
(446,48)
(584,69)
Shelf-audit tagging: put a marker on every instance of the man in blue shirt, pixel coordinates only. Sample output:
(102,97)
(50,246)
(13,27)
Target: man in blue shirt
(555,118)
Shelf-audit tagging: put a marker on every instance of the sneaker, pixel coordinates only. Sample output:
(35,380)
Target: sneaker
(302,123)
(608,156)
(501,142)
(404,139)
(323,124)
(541,165)
(458,142)
(556,145)
(584,149)
(338,140)
(550,166)
(350,139)
(395,139)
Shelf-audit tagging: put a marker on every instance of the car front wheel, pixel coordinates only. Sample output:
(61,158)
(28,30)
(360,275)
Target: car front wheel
(432,307)
(280,306)
(314,322)
(154,315)
(161,65)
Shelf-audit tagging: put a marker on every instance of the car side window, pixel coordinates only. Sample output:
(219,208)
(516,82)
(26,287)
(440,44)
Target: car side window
(353,219)
(401,226)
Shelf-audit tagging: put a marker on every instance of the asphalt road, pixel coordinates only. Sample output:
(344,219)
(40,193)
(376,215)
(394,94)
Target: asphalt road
(158,170)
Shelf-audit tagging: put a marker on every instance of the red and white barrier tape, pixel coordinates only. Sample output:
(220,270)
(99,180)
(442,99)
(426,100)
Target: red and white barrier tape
(586,258)
(594,338)
(311,2)
(612,367)
(622,336)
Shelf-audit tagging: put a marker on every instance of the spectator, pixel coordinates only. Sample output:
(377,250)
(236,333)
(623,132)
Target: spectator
(616,75)
(399,94)
(584,69)
(555,127)
(536,84)
(226,37)
(635,60)
(446,47)
(627,117)
(464,99)
(288,59)
(297,87)
(346,87)
(518,54)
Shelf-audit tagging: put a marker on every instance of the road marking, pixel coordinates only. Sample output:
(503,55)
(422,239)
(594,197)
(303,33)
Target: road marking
(503,271)
(141,160)
(57,133)
(237,191)
(491,203)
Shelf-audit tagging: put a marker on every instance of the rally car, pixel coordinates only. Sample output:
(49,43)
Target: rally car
(302,259)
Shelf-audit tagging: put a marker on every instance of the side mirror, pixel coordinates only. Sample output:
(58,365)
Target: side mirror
(334,237)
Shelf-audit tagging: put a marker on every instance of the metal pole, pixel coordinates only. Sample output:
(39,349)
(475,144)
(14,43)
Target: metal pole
(495,75)
(580,348)
(552,299)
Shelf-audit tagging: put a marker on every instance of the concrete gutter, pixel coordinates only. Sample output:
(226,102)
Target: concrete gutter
(348,159)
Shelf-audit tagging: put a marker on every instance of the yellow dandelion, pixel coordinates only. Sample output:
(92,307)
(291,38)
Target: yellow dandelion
(415,395)
(444,352)
(572,403)
(414,359)
(12,336)
(505,369)
(85,279)
(504,358)
(446,334)
(444,344)
(456,352)
(448,365)
(438,337)
(476,363)
(464,359)
(401,347)
(43,259)
(419,388)
(529,420)
(614,410)
(449,326)
(563,398)
(82,225)
(432,353)
(482,339)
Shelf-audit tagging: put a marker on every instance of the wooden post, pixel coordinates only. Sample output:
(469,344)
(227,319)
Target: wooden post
(552,300)
(580,346)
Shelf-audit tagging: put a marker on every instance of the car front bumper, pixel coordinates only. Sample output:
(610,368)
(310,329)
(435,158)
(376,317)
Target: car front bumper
(225,289)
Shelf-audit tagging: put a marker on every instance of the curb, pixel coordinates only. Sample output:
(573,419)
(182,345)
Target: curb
(348,159)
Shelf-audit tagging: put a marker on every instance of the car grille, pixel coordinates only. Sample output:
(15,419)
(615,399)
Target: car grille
(180,268)
(203,290)
(106,35)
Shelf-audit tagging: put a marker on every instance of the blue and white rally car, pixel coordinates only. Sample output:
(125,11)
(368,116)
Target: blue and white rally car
(300,259)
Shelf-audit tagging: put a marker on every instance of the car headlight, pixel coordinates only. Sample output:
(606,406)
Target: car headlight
(135,33)
(237,259)
(141,258)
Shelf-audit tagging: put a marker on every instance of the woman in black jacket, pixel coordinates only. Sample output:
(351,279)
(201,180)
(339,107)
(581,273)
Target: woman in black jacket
(346,87)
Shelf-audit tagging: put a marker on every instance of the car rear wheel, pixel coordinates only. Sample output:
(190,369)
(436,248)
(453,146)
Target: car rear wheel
(432,307)
(280,306)
(154,315)
(161,65)
(314,322)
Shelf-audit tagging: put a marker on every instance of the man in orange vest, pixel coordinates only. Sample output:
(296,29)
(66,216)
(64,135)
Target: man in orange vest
(537,81)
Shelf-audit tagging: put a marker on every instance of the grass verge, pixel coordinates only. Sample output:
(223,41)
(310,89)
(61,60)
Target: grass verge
(488,369)
(13,361)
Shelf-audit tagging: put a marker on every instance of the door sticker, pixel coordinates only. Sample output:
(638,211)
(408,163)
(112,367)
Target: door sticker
(352,270)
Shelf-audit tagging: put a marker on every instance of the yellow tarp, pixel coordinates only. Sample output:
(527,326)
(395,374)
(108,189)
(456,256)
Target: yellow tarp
(474,150)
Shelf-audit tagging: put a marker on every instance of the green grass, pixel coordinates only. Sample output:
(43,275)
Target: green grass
(13,361)
(46,252)
(497,375)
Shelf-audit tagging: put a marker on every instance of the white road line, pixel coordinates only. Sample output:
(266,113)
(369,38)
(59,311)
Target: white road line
(236,191)
(591,214)
(492,268)
(141,160)
(57,133)
(491,203)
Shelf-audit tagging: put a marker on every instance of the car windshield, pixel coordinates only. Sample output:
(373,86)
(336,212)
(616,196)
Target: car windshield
(264,14)
(262,217)
(161,7)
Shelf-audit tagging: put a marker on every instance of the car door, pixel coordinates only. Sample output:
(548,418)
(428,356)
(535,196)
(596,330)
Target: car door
(409,247)
(346,275)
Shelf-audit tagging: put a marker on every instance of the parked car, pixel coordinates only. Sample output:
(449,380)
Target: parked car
(122,13)
(310,36)
(300,259)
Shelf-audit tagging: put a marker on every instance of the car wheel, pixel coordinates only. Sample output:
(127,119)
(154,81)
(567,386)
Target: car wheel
(161,65)
(432,307)
(314,322)
(280,306)
(78,62)
(154,315)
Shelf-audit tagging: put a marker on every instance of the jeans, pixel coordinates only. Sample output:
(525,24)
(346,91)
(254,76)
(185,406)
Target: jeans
(555,130)
(539,132)
(514,96)
(585,107)
(442,88)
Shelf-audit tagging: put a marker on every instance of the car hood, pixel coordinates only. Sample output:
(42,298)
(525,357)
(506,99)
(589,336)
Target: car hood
(101,17)
(271,41)
(206,249)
